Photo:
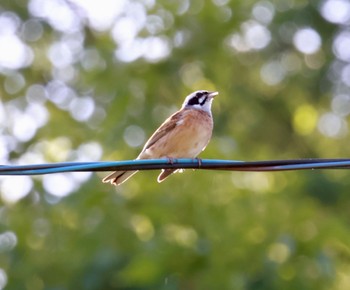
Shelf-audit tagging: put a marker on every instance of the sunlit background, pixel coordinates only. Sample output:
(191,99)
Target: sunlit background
(85,80)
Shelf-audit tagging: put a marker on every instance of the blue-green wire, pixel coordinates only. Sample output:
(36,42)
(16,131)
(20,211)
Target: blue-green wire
(152,164)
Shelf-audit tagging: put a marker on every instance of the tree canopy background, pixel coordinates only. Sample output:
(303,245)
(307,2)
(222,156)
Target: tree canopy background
(91,80)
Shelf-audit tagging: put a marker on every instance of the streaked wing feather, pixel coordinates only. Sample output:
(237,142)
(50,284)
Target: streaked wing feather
(165,173)
(164,129)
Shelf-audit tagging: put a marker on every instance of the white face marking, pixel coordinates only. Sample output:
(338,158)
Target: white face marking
(201,99)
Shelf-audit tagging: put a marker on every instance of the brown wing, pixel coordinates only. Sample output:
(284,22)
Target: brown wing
(168,125)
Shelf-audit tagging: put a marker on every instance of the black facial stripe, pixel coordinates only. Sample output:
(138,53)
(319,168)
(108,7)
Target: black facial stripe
(196,100)
(193,101)
(204,100)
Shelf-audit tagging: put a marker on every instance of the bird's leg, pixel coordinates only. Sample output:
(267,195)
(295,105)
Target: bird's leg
(170,160)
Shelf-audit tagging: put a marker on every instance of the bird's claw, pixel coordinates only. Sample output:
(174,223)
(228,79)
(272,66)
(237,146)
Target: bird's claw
(170,160)
(199,162)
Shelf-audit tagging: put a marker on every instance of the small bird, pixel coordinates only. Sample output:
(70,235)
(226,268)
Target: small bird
(183,135)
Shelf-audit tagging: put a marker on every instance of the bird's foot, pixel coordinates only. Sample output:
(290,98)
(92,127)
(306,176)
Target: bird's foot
(170,160)
(199,162)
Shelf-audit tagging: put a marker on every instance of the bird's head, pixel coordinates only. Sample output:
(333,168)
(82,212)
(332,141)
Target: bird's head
(200,100)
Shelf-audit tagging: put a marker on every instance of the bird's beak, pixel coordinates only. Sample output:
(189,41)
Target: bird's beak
(213,94)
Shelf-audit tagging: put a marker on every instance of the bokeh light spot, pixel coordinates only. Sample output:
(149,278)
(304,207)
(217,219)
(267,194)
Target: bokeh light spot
(25,127)
(156,48)
(332,125)
(307,40)
(125,29)
(57,149)
(32,30)
(134,136)
(345,75)
(263,11)
(3,279)
(341,46)
(82,108)
(39,114)
(36,94)
(60,55)
(305,119)
(181,235)
(273,73)
(143,227)
(257,36)
(279,253)
(341,105)
(91,151)
(14,54)
(13,188)
(102,13)
(57,13)
(14,83)
(59,185)
(60,94)
(8,240)
(336,11)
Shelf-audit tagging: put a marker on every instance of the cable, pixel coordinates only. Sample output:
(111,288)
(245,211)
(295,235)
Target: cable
(153,164)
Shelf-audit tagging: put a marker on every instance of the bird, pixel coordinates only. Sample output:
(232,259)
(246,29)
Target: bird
(185,134)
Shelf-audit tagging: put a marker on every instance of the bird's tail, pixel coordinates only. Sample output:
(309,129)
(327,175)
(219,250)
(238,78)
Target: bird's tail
(118,177)
(164,174)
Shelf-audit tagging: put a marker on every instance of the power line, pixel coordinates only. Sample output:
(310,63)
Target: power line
(153,164)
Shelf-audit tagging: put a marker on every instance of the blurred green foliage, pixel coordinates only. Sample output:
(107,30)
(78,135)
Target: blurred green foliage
(280,97)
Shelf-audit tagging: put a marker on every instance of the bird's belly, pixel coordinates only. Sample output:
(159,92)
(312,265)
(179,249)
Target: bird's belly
(190,145)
